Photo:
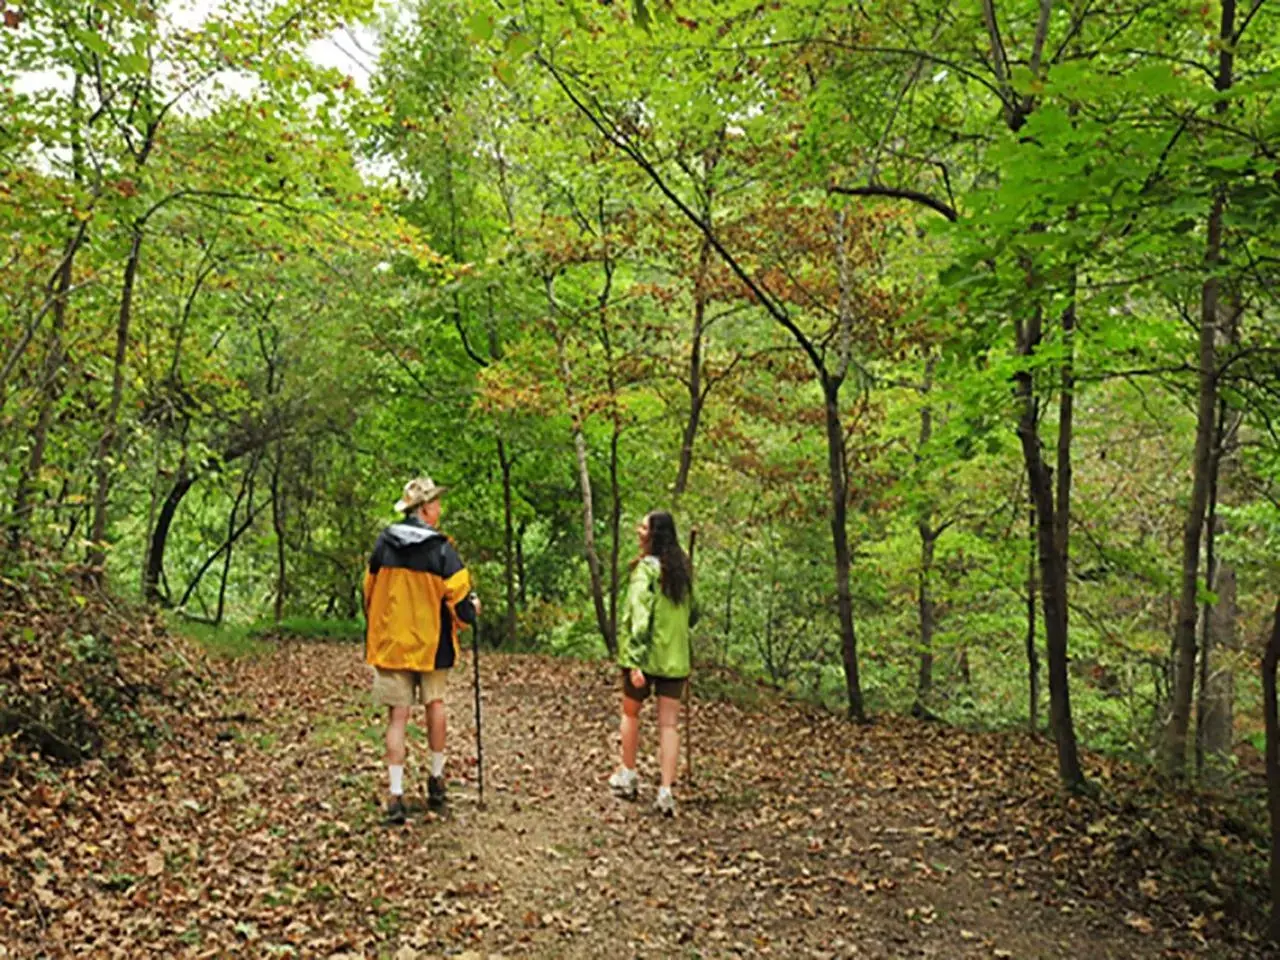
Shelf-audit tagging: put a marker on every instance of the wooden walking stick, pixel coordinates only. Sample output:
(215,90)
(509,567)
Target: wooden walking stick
(688,684)
(475,661)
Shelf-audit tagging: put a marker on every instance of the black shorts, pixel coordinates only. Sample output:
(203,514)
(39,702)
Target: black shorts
(666,686)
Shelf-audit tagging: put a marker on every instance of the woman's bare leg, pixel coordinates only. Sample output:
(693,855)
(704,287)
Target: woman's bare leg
(630,731)
(668,738)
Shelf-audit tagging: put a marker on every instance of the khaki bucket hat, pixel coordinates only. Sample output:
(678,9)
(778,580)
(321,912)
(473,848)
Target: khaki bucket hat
(418,491)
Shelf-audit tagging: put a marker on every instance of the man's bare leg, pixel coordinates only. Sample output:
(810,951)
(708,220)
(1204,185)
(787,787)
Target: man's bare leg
(397,721)
(436,729)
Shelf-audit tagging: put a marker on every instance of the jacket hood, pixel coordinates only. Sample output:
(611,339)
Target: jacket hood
(411,531)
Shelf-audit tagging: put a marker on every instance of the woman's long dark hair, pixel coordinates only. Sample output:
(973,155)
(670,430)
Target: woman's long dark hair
(665,545)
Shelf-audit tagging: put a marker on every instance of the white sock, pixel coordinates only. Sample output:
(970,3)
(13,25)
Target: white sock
(664,792)
(437,764)
(628,774)
(397,779)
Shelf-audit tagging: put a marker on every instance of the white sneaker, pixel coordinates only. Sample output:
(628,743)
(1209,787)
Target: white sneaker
(666,803)
(625,784)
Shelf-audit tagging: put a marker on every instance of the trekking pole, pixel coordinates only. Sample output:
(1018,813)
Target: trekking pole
(475,663)
(688,684)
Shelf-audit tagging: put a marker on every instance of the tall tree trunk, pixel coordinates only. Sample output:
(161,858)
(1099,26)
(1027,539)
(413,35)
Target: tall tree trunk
(1062,510)
(928,542)
(1207,624)
(1269,661)
(278,524)
(521,577)
(701,296)
(160,534)
(1053,574)
(840,541)
(924,599)
(727,633)
(50,392)
(153,501)
(1066,426)
(1033,654)
(837,462)
(232,536)
(1053,598)
(615,430)
(1218,620)
(508,547)
(107,444)
(770,662)
(589,539)
(615,521)
(588,505)
(696,396)
(1184,640)
(1215,723)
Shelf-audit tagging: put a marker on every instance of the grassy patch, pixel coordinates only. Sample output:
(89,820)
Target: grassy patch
(343,736)
(229,640)
(266,741)
(190,937)
(344,732)
(118,882)
(388,923)
(311,628)
(234,640)
(320,893)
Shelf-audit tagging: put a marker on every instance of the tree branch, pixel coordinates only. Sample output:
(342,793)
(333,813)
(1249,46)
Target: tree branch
(899,193)
(612,136)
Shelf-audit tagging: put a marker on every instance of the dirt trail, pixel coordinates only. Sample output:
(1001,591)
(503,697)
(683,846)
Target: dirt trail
(801,836)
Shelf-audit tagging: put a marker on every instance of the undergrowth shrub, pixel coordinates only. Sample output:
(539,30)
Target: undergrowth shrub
(82,674)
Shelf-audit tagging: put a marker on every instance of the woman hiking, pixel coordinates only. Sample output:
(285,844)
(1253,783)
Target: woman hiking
(653,651)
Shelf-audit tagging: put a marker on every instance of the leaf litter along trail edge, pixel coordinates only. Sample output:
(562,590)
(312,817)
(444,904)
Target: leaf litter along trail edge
(804,836)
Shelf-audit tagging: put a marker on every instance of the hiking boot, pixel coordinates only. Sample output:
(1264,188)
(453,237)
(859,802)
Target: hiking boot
(625,784)
(396,812)
(435,793)
(665,804)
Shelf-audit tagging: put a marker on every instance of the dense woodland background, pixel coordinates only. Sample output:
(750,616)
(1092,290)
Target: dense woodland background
(953,329)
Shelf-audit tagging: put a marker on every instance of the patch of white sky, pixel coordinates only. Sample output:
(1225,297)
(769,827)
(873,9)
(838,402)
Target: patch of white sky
(351,49)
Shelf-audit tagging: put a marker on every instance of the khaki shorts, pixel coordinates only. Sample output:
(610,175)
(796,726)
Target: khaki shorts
(404,688)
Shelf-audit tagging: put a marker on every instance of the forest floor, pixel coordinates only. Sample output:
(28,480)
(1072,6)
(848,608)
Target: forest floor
(256,830)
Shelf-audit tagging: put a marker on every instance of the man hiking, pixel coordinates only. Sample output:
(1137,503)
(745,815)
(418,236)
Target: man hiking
(415,593)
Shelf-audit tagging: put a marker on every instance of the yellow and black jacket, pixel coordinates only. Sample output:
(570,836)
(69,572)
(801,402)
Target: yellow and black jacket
(415,593)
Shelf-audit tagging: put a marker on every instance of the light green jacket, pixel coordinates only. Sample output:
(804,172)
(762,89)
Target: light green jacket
(653,632)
